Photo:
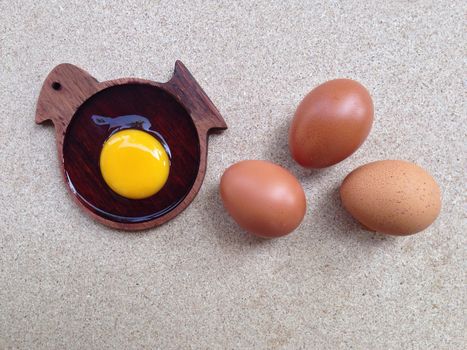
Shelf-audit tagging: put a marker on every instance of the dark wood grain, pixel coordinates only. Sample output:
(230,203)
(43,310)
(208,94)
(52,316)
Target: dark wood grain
(179,110)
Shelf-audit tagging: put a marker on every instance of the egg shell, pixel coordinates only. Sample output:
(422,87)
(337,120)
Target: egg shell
(392,196)
(263,198)
(330,123)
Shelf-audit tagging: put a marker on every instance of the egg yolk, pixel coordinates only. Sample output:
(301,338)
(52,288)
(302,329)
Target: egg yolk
(134,164)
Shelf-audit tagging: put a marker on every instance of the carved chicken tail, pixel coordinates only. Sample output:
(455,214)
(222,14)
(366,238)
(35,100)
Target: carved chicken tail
(201,108)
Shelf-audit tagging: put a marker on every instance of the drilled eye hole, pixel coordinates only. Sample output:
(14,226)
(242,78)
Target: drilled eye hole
(56,85)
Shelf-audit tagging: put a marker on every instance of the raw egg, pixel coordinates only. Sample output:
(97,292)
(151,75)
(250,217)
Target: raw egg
(263,198)
(125,180)
(134,164)
(330,123)
(392,196)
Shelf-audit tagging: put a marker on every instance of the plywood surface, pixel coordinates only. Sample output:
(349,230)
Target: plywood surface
(67,282)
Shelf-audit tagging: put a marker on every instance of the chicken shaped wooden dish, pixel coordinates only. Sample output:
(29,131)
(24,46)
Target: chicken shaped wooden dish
(132,151)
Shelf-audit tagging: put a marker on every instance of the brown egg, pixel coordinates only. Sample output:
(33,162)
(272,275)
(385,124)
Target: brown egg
(392,196)
(330,123)
(263,198)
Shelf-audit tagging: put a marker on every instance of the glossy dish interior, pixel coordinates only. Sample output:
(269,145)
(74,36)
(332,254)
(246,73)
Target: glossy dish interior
(138,106)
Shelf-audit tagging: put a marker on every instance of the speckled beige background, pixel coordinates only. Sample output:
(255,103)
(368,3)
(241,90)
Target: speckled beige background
(199,282)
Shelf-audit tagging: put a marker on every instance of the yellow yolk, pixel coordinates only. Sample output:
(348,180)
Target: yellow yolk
(134,164)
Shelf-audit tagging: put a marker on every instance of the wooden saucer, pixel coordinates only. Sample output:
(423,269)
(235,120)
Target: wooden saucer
(179,111)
